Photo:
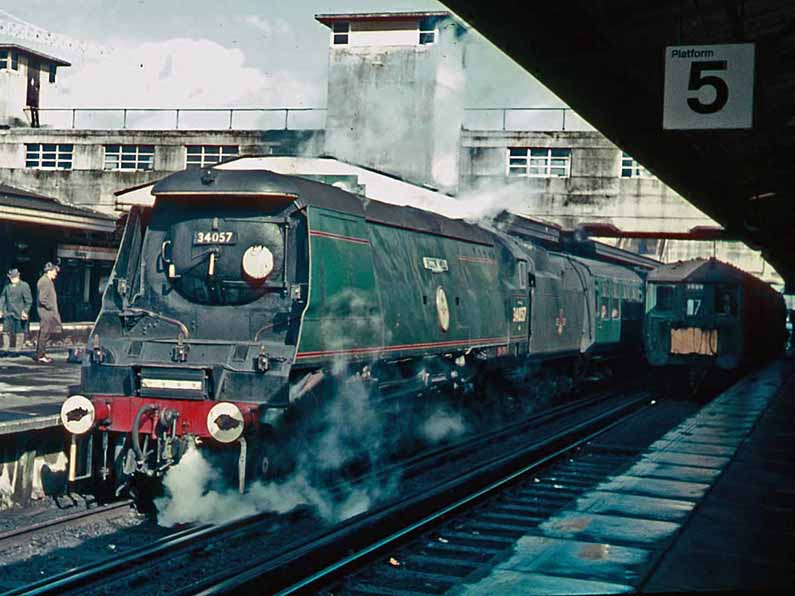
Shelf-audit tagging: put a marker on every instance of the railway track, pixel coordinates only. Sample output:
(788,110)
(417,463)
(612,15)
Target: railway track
(40,530)
(253,550)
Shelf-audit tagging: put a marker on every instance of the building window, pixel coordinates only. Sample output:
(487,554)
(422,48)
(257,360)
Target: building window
(3,59)
(340,32)
(53,68)
(539,162)
(208,155)
(427,31)
(129,157)
(632,169)
(15,60)
(49,156)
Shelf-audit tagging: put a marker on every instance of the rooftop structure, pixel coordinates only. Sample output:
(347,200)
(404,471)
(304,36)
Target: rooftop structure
(22,88)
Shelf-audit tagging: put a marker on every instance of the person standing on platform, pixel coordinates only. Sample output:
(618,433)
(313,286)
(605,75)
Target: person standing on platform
(15,303)
(49,317)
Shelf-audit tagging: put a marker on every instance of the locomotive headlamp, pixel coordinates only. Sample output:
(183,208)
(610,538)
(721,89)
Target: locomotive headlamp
(78,414)
(225,422)
(257,262)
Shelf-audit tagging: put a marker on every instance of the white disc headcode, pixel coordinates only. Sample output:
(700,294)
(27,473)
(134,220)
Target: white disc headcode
(257,262)
(77,414)
(225,422)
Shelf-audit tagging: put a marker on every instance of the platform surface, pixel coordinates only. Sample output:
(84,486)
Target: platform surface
(709,506)
(31,394)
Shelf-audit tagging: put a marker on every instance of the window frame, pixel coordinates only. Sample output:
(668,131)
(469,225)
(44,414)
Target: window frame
(142,156)
(4,57)
(522,161)
(340,33)
(630,168)
(224,154)
(669,304)
(59,156)
(14,60)
(427,32)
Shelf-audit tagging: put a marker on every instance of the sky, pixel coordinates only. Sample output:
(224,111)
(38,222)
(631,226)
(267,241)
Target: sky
(237,53)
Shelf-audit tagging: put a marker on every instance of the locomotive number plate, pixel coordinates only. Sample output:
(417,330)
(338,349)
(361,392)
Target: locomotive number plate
(214,237)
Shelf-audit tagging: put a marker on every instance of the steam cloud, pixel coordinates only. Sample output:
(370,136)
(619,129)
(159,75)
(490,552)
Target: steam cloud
(351,428)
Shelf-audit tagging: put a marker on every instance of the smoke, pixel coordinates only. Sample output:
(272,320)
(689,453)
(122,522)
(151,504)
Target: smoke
(191,496)
(482,203)
(443,424)
(346,429)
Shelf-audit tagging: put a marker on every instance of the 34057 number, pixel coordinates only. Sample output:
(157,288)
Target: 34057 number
(214,237)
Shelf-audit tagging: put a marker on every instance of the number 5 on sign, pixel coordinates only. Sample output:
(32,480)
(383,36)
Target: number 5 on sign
(709,87)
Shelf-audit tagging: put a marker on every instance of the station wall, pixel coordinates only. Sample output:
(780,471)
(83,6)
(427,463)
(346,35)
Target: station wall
(87,182)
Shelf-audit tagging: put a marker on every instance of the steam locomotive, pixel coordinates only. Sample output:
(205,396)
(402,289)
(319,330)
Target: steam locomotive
(240,292)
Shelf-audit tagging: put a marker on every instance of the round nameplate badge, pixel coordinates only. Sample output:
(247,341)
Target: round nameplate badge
(442,309)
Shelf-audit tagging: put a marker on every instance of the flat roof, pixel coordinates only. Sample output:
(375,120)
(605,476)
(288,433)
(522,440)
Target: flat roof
(327,19)
(43,56)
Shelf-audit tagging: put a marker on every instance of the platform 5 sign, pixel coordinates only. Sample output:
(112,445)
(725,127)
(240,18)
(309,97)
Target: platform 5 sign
(709,87)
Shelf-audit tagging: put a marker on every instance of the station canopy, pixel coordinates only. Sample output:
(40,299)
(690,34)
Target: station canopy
(22,206)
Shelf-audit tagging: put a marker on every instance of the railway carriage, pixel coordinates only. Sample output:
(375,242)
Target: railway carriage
(705,313)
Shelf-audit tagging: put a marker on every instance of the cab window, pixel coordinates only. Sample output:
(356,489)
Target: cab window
(725,300)
(665,298)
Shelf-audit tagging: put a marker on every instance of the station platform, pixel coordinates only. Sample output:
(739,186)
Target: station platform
(709,506)
(31,394)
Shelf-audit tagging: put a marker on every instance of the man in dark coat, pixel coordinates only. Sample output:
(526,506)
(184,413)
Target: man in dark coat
(49,317)
(15,303)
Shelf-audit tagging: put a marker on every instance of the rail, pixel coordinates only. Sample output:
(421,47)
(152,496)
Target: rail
(324,548)
(127,118)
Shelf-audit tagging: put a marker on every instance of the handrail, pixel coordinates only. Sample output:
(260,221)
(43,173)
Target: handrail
(125,111)
(561,123)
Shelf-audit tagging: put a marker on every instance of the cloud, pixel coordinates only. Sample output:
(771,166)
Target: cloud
(181,73)
(268,26)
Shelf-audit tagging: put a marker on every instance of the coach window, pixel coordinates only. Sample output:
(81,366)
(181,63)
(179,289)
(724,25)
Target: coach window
(604,308)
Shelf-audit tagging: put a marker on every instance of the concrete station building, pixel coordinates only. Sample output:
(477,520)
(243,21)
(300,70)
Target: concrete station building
(396,88)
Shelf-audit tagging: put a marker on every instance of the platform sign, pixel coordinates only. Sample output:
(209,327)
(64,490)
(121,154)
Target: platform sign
(709,87)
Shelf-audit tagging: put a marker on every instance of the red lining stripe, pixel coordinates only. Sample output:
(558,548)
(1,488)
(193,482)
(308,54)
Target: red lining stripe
(339,237)
(433,344)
